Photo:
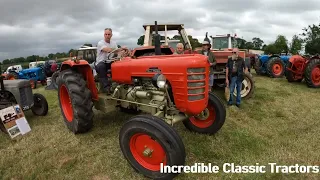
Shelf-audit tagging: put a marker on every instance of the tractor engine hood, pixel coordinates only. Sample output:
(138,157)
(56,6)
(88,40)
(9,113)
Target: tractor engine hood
(188,76)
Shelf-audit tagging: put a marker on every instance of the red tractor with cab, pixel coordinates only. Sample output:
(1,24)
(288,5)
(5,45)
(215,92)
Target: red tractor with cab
(166,88)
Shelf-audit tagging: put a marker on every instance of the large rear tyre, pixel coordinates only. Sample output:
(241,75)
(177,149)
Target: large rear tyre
(275,67)
(210,120)
(148,141)
(54,79)
(40,107)
(257,65)
(312,73)
(247,88)
(75,101)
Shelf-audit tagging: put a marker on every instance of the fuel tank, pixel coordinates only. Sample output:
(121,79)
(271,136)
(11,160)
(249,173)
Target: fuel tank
(187,74)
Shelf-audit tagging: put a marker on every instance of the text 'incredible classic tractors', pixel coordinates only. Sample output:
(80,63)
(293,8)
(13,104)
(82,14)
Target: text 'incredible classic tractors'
(303,67)
(166,88)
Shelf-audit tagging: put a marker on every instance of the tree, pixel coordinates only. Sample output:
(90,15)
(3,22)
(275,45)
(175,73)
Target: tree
(257,43)
(311,38)
(296,45)
(249,45)
(271,49)
(281,44)
(241,43)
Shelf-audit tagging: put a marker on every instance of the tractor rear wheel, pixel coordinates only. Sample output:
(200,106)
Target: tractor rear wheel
(275,67)
(75,101)
(54,79)
(210,120)
(312,73)
(147,141)
(257,65)
(247,88)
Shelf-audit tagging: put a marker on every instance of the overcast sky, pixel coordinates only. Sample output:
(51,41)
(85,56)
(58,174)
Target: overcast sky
(40,27)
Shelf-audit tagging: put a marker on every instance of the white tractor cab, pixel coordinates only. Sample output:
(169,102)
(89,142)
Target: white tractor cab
(150,29)
(35,64)
(15,68)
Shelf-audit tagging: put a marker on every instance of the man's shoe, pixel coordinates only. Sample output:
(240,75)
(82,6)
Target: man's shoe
(238,105)
(230,104)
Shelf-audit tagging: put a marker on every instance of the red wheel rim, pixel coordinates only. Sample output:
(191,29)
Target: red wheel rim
(315,75)
(12,78)
(66,103)
(147,151)
(204,123)
(277,69)
(32,84)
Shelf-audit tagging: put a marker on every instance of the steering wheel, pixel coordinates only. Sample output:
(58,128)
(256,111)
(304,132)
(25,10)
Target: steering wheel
(122,52)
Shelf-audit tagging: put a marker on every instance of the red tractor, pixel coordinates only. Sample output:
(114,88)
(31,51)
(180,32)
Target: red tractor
(304,67)
(167,89)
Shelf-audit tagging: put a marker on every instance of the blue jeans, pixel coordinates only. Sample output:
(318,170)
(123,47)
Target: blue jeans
(238,84)
(211,78)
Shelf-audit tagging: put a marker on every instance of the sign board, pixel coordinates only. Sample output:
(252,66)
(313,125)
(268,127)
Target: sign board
(14,121)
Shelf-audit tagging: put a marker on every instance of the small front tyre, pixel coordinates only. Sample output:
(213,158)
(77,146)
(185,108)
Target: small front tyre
(148,141)
(40,107)
(210,120)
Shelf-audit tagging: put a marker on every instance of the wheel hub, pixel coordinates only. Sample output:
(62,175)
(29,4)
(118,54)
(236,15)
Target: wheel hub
(147,152)
(277,69)
(203,115)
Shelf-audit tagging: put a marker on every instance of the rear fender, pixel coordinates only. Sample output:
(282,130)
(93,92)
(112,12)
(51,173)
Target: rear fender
(84,68)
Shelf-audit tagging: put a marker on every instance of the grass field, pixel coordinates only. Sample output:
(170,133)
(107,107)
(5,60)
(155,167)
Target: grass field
(279,124)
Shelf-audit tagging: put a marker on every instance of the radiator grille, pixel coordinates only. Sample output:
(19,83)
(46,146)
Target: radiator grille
(196,83)
(26,97)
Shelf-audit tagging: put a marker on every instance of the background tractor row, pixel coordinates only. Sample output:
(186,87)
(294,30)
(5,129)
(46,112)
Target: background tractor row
(165,88)
(271,65)
(304,67)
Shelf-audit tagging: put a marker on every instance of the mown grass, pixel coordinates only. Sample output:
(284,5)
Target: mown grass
(279,124)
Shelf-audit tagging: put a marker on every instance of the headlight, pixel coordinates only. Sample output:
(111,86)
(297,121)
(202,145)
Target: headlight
(159,80)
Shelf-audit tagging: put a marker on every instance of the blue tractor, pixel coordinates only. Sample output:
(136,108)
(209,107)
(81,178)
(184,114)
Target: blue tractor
(33,74)
(272,65)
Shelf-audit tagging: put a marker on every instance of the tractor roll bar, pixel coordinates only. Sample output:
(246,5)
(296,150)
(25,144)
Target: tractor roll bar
(157,40)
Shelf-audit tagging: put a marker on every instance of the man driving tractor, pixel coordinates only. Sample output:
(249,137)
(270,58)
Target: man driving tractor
(103,64)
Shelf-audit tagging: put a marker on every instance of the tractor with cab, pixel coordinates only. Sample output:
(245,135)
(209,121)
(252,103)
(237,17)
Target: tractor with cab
(165,89)
(221,54)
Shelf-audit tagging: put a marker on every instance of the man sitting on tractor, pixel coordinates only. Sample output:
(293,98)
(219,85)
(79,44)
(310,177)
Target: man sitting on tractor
(212,60)
(179,49)
(102,64)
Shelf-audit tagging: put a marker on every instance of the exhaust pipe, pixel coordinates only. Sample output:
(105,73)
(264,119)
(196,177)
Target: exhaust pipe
(157,40)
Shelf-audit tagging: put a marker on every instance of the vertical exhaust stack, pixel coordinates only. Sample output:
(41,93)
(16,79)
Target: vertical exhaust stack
(157,40)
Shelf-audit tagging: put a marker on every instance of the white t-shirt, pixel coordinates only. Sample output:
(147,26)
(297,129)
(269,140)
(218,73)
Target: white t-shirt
(101,55)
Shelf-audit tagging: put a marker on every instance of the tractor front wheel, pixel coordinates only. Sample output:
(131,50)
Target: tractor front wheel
(312,73)
(75,101)
(275,67)
(147,142)
(40,107)
(210,120)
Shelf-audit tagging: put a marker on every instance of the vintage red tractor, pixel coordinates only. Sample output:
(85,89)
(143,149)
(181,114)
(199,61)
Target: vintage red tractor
(167,89)
(304,67)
